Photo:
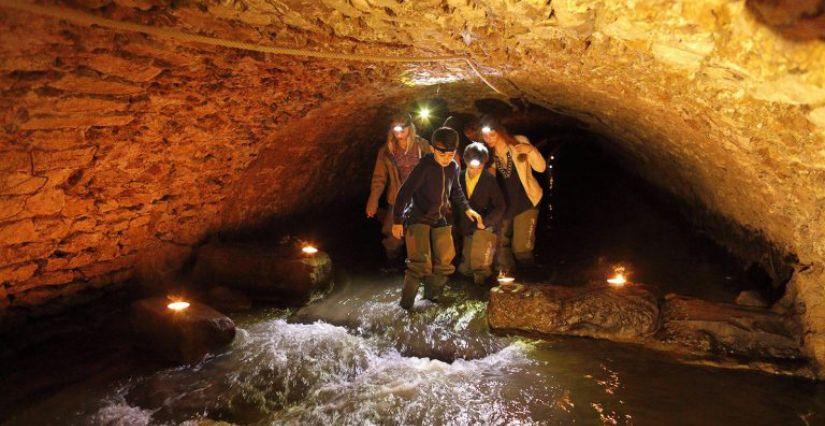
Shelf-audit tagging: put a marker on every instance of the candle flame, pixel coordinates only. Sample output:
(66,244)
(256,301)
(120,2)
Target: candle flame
(618,279)
(504,279)
(310,250)
(178,306)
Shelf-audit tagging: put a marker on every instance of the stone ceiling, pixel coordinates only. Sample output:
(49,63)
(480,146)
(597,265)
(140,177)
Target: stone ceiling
(117,143)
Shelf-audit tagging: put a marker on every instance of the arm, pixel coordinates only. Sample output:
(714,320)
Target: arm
(496,200)
(527,152)
(405,194)
(378,183)
(457,197)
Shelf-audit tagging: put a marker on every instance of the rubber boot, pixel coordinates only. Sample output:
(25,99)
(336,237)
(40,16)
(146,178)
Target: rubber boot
(409,291)
(433,287)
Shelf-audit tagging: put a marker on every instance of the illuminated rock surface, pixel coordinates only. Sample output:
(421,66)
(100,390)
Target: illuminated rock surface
(121,151)
(184,335)
(628,314)
(279,274)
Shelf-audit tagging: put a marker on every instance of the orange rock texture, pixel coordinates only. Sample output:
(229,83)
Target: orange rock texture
(121,150)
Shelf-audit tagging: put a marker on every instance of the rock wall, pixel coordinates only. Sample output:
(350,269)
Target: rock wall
(117,145)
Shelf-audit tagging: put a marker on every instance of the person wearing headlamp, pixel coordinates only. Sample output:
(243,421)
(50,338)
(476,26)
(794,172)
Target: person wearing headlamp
(396,159)
(484,196)
(421,206)
(514,161)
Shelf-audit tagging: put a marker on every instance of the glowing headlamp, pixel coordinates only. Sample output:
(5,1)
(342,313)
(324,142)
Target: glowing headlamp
(398,128)
(475,163)
(486,129)
(424,113)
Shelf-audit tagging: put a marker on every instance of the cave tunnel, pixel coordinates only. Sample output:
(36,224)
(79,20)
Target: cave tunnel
(183,236)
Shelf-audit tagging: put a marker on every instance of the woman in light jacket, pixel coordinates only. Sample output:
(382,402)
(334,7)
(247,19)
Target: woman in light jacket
(514,160)
(396,159)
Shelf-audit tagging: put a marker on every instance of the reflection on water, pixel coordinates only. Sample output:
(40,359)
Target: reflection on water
(356,358)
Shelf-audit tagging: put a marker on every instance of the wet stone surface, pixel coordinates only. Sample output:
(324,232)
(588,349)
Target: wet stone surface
(627,314)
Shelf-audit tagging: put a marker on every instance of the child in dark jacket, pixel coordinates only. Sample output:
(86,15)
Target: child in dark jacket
(421,205)
(485,197)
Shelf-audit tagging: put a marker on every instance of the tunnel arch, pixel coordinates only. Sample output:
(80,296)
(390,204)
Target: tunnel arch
(122,151)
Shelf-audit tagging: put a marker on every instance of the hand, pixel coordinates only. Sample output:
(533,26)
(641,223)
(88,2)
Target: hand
(475,217)
(398,231)
(371,209)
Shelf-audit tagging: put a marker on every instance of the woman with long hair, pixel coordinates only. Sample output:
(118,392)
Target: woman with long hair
(514,160)
(396,159)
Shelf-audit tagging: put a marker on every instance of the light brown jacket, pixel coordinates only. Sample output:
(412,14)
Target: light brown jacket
(385,176)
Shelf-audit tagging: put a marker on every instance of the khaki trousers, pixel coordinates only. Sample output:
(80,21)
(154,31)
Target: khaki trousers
(477,254)
(517,238)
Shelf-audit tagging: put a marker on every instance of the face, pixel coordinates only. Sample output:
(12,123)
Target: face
(400,130)
(491,137)
(443,158)
(474,168)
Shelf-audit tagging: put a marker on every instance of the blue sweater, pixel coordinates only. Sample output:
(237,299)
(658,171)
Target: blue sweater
(426,194)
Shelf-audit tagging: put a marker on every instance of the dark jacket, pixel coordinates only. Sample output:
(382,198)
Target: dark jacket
(487,200)
(427,193)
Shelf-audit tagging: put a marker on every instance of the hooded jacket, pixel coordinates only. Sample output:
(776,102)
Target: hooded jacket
(427,193)
(487,200)
(385,174)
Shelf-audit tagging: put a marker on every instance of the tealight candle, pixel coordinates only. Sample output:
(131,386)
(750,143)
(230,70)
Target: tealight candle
(178,306)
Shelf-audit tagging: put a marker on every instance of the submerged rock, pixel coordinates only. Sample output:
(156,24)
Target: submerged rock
(185,335)
(723,329)
(622,314)
(280,274)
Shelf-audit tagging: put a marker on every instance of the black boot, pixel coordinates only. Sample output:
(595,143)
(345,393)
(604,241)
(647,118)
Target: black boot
(409,291)
(433,287)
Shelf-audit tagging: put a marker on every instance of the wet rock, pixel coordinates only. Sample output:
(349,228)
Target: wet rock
(184,336)
(280,274)
(228,300)
(751,298)
(625,314)
(722,329)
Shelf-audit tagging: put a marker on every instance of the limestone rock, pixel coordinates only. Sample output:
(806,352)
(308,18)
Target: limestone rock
(751,298)
(186,335)
(228,300)
(728,330)
(280,273)
(621,314)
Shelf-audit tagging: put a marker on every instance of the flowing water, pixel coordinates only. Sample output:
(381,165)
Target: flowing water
(355,357)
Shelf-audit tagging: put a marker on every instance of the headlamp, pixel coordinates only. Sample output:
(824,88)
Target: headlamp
(475,163)
(398,128)
(486,129)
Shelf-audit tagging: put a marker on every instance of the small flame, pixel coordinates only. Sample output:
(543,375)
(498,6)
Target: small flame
(310,250)
(618,279)
(178,306)
(504,279)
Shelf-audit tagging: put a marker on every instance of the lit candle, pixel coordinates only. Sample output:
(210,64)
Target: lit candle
(310,250)
(178,306)
(503,279)
(618,279)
